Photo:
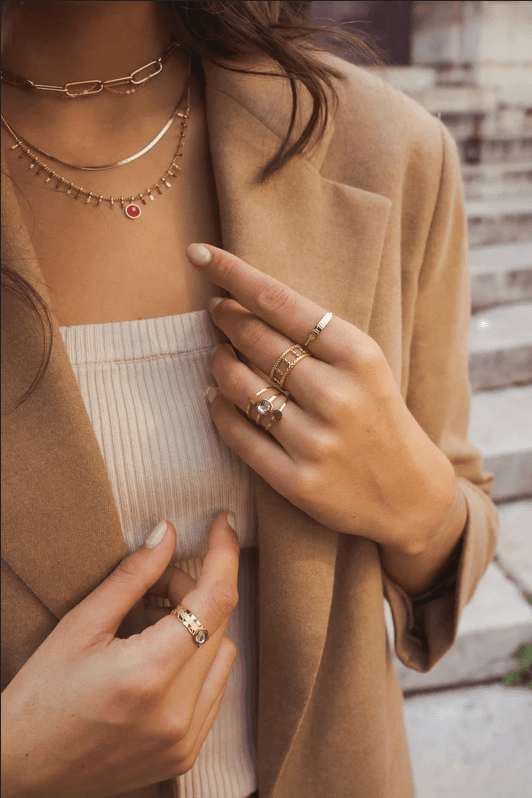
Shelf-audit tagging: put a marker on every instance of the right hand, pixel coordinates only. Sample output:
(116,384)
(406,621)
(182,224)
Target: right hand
(90,715)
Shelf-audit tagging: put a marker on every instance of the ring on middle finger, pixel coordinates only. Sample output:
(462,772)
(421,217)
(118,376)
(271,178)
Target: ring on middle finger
(286,362)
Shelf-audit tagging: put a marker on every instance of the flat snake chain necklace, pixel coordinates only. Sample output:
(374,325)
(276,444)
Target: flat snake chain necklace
(129,204)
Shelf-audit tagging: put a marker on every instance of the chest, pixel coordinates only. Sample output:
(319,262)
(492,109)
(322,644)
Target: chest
(99,266)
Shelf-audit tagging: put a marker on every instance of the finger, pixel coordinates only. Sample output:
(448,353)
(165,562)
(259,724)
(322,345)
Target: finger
(262,345)
(278,305)
(174,581)
(211,601)
(103,610)
(259,451)
(186,765)
(212,689)
(238,383)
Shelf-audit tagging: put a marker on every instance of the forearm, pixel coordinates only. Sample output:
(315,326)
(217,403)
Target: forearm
(417,573)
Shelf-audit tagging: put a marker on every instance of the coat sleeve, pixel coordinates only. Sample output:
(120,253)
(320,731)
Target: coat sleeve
(439,397)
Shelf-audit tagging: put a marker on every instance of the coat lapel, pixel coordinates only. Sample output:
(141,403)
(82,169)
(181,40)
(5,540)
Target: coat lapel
(324,239)
(62,531)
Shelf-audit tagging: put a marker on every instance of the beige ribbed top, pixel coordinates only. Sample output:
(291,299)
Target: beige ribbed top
(143,383)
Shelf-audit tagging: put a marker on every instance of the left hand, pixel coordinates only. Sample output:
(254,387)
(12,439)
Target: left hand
(347,450)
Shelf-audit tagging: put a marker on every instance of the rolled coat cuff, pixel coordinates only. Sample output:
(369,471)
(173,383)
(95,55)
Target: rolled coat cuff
(426,626)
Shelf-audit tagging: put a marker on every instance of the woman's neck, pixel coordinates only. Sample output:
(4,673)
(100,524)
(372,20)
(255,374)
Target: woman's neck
(58,42)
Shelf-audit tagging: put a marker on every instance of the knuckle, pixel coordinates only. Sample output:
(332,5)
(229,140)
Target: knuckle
(274,298)
(125,572)
(323,445)
(225,266)
(254,332)
(370,355)
(308,481)
(223,598)
(144,688)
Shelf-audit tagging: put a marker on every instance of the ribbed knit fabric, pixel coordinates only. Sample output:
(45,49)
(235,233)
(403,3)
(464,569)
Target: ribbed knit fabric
(143,383)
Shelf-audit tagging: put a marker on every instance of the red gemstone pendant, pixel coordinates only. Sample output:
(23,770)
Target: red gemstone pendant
(132,211)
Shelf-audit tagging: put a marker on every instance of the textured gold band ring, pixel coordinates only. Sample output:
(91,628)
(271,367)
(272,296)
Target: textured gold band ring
(286,362)
(323,322)
(190,622)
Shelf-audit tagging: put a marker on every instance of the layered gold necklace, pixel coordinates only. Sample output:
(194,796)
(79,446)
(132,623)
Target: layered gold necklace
(130,204)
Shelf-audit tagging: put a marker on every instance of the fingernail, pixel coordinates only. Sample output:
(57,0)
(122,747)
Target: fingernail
(231,520)
(199,254)
(213,301)
(211,394)
(156,536)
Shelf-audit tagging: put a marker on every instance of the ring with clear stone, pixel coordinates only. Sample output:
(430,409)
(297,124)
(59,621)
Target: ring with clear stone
(264,407)
(192,623)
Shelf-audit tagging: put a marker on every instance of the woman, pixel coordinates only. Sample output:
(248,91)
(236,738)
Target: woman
(345,463)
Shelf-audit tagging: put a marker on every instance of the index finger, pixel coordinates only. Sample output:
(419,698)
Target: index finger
(274,302)
(212,599)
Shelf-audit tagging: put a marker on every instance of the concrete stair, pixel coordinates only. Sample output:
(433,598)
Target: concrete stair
(500,347)
(501,428)
(497,620)
(500,274)
(488,180)
(499,220)
(498,193)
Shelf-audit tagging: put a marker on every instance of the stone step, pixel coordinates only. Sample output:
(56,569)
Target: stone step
(500,347)
(500,273)
(498,148)
(490,180)
(497,620)
(514,549)
(498,221)
(500,427)
(473,742)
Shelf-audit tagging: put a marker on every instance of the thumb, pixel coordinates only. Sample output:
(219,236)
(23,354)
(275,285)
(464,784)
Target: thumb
(107,605)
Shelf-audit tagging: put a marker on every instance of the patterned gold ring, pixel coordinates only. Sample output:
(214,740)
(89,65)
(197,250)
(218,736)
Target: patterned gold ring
(286,362)
(323,322)
(199,634)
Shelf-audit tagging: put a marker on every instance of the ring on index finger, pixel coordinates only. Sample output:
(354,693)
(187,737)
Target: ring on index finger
(192,623)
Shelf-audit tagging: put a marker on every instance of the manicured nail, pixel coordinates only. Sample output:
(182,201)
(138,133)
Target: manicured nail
(211,394)
(156,536)
(231,520)
(215,347)
(213,301)
(198,254)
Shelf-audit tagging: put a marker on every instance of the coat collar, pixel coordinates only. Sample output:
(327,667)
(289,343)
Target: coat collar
(62,531)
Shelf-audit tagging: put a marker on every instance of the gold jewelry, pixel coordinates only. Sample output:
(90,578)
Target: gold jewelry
(283,365)
(20,140)
(128,204)
(276,415)
(94,86)
(264,407)
(323,322)
(190,622)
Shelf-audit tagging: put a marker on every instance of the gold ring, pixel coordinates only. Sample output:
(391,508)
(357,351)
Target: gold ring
(283,366)
(264,407)
(190,622)
(275,415)
(323,322)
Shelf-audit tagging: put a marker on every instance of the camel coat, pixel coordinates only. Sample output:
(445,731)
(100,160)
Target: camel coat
(369,224)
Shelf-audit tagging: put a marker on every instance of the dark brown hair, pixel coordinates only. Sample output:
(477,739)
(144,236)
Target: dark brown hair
(226,29)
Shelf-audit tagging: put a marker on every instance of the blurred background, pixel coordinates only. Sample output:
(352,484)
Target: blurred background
(469,720)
